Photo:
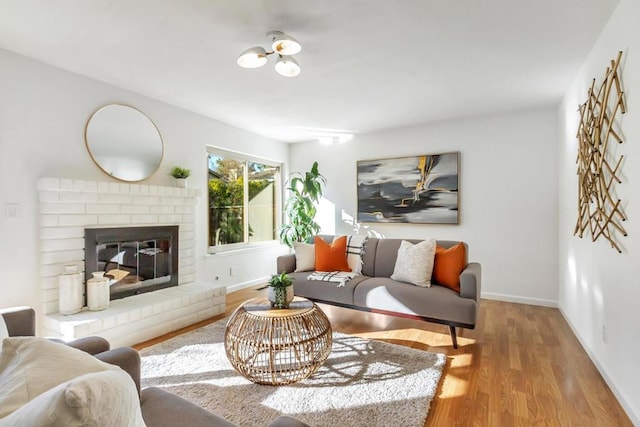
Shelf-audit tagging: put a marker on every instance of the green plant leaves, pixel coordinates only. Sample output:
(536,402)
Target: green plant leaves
(281,280)
(178,172)
(300,207)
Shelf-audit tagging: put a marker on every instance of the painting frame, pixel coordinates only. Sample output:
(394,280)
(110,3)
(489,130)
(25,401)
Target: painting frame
(413,189)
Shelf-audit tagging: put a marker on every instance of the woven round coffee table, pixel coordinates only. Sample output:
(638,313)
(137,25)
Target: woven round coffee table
(277,346)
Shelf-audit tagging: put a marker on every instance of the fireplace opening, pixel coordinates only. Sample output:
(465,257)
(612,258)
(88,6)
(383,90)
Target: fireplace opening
(135,259)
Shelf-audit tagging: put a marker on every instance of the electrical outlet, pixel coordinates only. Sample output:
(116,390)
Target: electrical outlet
(232,270)
(604,333)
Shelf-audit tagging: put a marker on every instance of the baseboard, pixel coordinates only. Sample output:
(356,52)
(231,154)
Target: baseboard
(603,372)
(520,300)
(244,285)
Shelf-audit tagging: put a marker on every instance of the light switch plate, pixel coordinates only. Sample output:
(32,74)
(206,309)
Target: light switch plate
(11,210)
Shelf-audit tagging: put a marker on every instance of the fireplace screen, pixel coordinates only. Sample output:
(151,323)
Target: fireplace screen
(135,259)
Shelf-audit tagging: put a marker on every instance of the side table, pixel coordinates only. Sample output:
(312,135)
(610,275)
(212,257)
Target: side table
(277,346)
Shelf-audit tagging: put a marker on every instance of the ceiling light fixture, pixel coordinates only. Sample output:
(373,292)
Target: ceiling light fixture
(283,45)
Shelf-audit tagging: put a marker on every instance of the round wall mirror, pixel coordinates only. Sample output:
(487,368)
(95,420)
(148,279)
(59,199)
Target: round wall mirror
(124,143)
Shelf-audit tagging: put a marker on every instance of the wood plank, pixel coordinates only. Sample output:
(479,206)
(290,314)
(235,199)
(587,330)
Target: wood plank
(522,365)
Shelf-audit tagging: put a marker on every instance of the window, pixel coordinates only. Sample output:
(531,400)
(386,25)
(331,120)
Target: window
(243,199)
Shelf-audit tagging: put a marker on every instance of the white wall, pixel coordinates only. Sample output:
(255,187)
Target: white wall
(598,286)
(508,194)
(43,112)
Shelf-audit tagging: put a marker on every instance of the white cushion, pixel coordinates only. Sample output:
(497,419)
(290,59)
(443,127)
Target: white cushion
(30,366)
(415,263)
(354,253)
(106,399)
(305,256)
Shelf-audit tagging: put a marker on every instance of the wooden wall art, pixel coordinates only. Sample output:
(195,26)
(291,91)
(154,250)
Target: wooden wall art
(599,210)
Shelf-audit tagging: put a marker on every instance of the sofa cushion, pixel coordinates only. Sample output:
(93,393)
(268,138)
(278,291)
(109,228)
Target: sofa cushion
(331,256)
(448,265)
(436,302)
(105,398)
(383,259)
(30,366)
(414,263)
(305,256)
(327,291)
(379,257)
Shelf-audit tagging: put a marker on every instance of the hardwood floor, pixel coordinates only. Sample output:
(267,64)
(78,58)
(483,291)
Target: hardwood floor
(521,366)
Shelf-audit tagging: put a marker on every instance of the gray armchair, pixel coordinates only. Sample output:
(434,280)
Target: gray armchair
(159,407)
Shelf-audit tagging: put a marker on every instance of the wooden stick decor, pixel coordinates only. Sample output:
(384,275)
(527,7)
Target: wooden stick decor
(599,210)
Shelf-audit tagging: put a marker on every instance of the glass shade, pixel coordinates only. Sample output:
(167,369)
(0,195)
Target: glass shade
(287,66)
(285,45)
(253,58)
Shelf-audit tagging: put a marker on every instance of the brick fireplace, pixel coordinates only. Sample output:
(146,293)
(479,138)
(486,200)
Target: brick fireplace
(68,207)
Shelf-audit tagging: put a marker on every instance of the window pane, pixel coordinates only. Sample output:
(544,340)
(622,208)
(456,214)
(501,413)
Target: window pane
(262,202)
(226,200)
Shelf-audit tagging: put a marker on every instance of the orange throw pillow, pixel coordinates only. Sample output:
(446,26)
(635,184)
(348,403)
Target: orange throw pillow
(331,256)
(448,265)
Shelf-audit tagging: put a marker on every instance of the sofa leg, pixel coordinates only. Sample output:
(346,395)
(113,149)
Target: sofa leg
(452,332)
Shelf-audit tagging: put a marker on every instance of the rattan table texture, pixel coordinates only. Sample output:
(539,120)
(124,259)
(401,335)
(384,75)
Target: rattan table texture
(277,346)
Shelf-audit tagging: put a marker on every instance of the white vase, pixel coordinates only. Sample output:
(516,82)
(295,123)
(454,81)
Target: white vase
(70,291)
(271,296)
(98,291)
(181,182)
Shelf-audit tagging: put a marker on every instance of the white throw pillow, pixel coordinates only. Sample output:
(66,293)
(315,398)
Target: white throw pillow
(305,256)
(30,366)
(415,263)
(354,253)
(105,399)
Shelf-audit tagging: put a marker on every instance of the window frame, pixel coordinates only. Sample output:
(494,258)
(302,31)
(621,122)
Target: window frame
(278,188)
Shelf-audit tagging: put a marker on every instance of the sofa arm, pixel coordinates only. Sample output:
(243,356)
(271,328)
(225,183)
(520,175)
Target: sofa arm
(91,345)
(20,321)
(286,263)
(470,281)
(288,421)
(161,408)
(126,358)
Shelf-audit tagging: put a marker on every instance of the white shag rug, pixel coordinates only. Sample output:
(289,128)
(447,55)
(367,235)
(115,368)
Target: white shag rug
(363,382)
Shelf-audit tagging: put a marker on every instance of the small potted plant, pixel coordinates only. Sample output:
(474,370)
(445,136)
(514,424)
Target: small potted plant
(181,175)
(280,290)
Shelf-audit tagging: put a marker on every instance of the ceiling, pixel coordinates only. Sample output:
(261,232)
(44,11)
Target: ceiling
(367,65)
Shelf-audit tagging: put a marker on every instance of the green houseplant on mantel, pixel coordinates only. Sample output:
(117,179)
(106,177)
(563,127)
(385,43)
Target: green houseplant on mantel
(181,175)
(280,290)
(300,207)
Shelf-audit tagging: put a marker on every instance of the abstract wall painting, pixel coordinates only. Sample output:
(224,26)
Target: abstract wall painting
(418,189)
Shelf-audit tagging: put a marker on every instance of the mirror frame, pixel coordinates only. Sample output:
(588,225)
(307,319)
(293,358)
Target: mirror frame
(97,163)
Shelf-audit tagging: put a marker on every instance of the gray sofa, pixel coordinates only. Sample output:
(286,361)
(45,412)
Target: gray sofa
(374,291)
(159,408)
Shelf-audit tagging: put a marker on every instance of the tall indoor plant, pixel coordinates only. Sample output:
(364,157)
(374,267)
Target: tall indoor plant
(300,207)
